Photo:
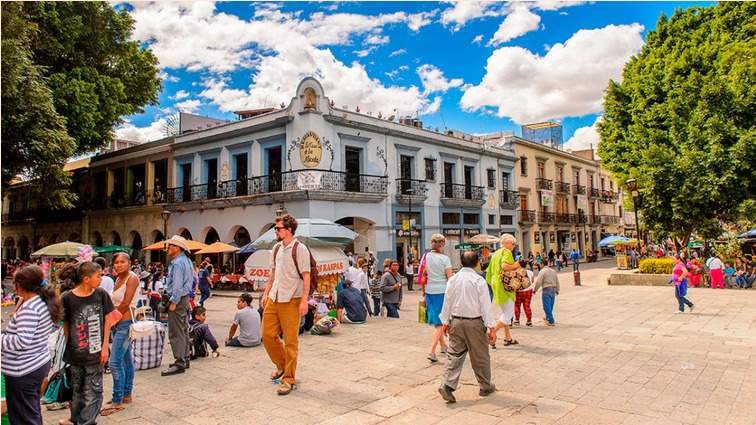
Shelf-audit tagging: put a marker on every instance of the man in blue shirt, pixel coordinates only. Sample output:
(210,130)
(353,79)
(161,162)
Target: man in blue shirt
(575,258)
(350,307)
(178,285)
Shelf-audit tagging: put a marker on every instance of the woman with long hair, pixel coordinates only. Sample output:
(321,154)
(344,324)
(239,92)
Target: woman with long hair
(121,361)
(437,271)
(25,356)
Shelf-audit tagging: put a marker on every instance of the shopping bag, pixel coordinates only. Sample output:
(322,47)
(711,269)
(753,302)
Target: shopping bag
(422,312)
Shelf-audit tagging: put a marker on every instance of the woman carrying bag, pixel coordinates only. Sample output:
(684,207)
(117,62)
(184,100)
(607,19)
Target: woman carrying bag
(437,270)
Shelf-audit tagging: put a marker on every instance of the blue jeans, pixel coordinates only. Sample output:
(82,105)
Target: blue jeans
(548,296)
(681,300)
(121,362)
(204,294)
(86,383)
(392,310)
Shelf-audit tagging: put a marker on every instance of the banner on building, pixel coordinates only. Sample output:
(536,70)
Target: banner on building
(582,202)
(309,180)
(547,198)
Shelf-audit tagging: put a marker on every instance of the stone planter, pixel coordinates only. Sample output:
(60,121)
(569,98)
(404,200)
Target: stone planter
(638,279)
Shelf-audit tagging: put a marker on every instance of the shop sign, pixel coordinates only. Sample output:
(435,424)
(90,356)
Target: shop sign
(406,233)
(472,232)
(330,267)
(405,224)
(256,273)
(310,150)
(451,232)
(547,198)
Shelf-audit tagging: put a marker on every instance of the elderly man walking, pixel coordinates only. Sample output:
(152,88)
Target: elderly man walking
(179,283)
(503,259)
(468,320)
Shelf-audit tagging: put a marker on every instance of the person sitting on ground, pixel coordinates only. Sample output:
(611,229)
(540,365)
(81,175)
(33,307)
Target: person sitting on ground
(200,334)
(350,306)
(729,273)
(247,320)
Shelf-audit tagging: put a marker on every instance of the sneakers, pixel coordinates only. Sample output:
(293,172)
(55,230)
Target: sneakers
(529,324)
(447,393)
(516,323)
(679,312)
(690,309)
(432,357)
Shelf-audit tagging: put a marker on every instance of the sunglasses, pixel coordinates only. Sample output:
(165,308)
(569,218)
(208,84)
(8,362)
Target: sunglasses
(279,228)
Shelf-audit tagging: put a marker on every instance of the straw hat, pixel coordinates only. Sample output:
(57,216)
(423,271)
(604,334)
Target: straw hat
(178,241)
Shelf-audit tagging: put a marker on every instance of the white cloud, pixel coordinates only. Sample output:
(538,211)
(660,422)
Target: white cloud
(569,80)
(520,20)
(419,20)
(397,52)
(467,10)
(181,94)
(550,5)
(364,52)
(433,107)
(584,138)
(377,39)
(403,68)
(478,39)
(167,77)
(189,105)
(154,131)
(433,79)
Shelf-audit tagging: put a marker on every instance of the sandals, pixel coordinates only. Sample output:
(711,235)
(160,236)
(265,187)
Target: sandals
(275,376)
(512,341)
(112,409)
(286,388)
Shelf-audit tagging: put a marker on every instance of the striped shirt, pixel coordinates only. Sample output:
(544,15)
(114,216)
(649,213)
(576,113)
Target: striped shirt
(24,342)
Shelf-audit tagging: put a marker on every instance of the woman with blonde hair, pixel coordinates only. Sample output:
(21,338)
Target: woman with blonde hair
(437,271)
(503,259)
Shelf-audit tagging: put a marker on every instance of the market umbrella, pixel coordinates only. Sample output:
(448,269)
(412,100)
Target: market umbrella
(247,249)
(192,245)
(62,249)
(217,248)
(311,232)
(109,249)
(749,234)
(613,240)
(484,239)
(695,244)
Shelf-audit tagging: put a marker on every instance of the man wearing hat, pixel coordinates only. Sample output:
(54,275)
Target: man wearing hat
(178,285)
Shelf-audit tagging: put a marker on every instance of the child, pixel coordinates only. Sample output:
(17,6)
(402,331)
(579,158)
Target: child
(247,320)
(375,292)
(524,297)
(88,316)
(729,272)
(200,335)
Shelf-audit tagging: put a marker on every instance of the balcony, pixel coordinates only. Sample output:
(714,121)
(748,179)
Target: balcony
(566,218)
(578,189)
(609,219)
(562,187)
(593,193)
(609,197)
(544,184)
(323,185)
(508,199)
(546,217)
(462,195)
(594,219)
(411,191)
(582,219)
(526,216)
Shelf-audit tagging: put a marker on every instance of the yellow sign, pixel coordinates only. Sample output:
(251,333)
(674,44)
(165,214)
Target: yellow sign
(310,150)
(405,225)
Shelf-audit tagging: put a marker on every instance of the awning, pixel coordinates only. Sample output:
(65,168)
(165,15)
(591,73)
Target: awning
(330,260)
(257,266)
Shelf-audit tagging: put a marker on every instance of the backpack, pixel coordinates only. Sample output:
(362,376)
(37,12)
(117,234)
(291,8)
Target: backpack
(313,265)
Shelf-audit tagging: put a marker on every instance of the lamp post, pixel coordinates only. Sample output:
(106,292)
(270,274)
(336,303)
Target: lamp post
(632,185)
(165,215)
(33,223)
(281,211)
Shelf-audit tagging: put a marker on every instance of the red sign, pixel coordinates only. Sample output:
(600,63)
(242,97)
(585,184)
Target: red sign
(258,273)
(330,267)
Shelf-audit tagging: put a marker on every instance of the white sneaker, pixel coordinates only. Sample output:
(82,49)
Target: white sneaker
(679,312)
(690,309)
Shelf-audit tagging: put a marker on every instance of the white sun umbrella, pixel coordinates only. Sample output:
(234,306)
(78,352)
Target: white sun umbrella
(312,232)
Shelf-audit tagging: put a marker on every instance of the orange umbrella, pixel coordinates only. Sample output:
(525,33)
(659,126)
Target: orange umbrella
(193,246)
(217,248)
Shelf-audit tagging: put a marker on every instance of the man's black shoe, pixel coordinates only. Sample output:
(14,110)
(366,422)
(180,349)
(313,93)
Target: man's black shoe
(486,392)
(173,370)
(447,393)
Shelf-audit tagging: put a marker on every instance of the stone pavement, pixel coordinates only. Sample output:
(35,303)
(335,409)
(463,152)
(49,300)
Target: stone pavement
(618,355)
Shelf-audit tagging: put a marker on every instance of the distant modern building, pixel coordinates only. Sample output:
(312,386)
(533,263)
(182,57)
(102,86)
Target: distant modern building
(549,133)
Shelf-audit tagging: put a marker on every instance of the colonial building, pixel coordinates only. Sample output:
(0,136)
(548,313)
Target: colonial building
(394,183)
(566,200)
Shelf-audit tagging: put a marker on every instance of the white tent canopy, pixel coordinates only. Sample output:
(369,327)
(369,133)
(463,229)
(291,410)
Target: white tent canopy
(330,260)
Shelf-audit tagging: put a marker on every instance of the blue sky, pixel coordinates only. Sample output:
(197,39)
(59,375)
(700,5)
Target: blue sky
(473,66)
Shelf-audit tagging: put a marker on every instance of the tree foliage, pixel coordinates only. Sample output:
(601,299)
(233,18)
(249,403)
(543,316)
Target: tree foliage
(34,138)
(681,122)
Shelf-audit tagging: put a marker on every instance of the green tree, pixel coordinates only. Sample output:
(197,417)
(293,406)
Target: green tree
(681,122)
(96,73)
(35,143)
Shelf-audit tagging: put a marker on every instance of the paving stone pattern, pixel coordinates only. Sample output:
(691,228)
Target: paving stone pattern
(618,355)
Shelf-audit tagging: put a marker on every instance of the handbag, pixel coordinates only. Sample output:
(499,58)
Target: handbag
(140,329)
(422,275)
(422,312)
(59,387)
(513,280)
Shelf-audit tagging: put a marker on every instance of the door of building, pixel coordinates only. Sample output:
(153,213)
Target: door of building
(274,168)
(212,178)
(448,179)
(186,182)
(241,174)
(353,168)
(405,171)
(468,182)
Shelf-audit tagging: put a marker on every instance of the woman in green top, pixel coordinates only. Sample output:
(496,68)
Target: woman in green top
(503,259)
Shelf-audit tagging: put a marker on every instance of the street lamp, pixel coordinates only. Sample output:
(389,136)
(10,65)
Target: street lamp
(632,185)
(281,211)
(33,223)
(165,215)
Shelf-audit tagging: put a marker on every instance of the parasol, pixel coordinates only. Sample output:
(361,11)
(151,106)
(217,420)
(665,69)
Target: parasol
(217,248)
(311,232)
(63,249)
(247,249)
(193,246)
(109,249)
(613,240)
(484,239)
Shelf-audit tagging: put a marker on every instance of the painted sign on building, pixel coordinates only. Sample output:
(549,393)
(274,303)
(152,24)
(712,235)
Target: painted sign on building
(310,150)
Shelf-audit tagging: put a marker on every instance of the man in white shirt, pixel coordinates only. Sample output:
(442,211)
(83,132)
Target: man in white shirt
(106,282)
(468,320)
(360,282)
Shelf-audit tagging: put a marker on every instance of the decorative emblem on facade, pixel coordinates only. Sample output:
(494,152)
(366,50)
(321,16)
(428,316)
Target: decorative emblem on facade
(382,155)
(310,149)
(491,202)
(310,99)
(225,172)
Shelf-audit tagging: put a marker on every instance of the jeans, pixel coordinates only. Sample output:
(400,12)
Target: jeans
(204,294)
(548,296)
(23,397)
(392,310)
(233,342)
(376,306)
(681,300)
(559,265)
(575,265)
(366,301)
(121,362)
(87,393)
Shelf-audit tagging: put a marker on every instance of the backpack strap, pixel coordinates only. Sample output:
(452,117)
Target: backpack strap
(294,250)
(275,251)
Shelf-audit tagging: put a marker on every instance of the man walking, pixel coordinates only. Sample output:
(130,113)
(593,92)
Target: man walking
(549,281)
(178,284)
(410,272)
(468,320)
(575,258)
(391,287)
(285,301)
